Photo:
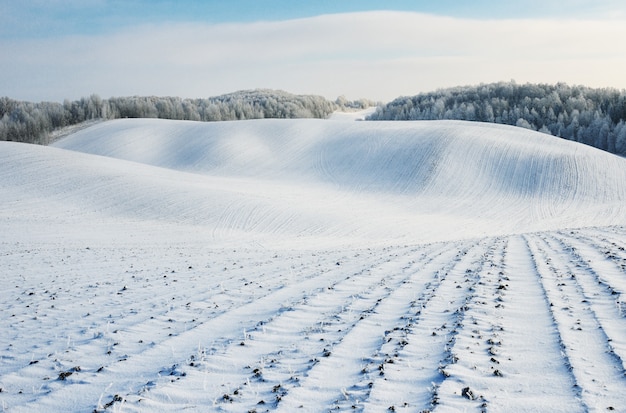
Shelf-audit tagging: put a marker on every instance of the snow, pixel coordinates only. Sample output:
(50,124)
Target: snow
(311,265)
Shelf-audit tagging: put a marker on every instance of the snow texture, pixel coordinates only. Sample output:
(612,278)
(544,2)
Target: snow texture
(312,265)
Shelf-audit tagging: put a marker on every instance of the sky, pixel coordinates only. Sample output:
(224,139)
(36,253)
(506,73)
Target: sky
(51,50)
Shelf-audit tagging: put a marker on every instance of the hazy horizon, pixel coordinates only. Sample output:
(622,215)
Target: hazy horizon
(70,49)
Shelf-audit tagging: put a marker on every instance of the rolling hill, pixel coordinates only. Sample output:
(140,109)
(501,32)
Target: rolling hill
(312,265)
(477,176)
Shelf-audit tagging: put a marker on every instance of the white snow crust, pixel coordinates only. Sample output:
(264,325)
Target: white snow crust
(311,265)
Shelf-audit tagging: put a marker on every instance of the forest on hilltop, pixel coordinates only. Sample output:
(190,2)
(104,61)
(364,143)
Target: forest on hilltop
(595,117)
(33,122)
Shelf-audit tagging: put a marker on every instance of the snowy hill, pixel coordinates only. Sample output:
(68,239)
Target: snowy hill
(455,173)
(312,265)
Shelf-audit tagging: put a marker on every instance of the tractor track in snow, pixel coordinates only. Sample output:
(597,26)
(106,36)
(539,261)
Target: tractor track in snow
(597,369)
(597,277)
(361,353)
(416,354)
(405,328)
(170,350)
(279,355)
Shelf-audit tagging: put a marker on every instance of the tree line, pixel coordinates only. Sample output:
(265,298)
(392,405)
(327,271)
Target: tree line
(33,122)
(591,116)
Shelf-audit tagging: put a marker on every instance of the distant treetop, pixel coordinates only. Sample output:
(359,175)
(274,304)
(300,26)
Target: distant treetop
(34,122)
(591,116)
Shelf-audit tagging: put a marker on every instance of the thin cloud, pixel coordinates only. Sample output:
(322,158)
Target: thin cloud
(379,55)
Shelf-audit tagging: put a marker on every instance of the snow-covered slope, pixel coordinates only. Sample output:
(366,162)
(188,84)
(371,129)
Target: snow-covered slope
(311,265)
(367,179)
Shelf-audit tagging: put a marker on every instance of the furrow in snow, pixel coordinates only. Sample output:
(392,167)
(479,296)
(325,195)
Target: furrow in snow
(607,260)
(598,373)
(414,372)
(123,311)
(592,269)
(473,352)
(171,351)
(344,378)
(475,344)
(523,347)
(279,353)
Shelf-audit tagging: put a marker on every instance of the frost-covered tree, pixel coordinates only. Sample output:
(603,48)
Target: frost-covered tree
(587,115)
(346,105)
(33,122)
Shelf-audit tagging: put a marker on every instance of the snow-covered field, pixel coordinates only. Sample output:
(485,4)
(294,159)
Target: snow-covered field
(311,265)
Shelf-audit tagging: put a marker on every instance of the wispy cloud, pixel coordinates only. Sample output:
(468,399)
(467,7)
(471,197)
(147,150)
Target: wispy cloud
(380,55)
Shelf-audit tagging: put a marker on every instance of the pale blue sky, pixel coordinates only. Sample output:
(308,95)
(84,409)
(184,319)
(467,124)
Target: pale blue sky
(56,49)
(42,18)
